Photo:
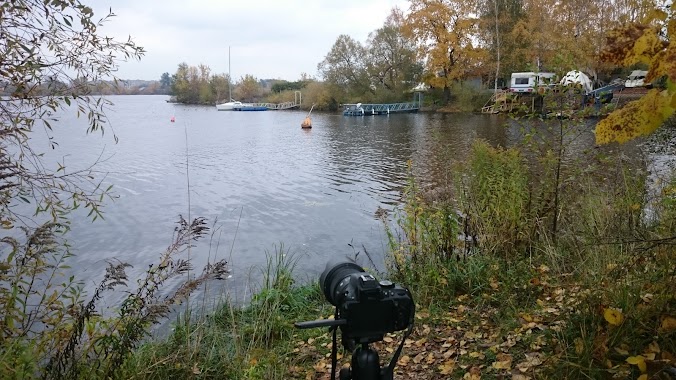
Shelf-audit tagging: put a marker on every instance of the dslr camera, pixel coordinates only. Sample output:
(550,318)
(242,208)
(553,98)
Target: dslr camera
(371,308)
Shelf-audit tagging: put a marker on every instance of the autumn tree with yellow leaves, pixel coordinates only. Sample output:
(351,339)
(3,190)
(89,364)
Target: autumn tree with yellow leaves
(445,33)
(651,42)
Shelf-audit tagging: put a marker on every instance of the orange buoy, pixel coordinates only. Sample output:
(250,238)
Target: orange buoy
(307,123)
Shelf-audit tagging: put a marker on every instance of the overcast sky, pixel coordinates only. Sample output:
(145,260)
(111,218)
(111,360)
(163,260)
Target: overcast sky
(268,39)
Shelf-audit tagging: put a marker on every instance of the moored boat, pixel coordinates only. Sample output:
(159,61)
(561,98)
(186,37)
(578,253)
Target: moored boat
(228,106)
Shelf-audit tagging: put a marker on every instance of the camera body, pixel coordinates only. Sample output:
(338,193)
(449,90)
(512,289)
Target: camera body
(372,308)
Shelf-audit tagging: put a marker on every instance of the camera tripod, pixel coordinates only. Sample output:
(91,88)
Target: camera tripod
(365,363)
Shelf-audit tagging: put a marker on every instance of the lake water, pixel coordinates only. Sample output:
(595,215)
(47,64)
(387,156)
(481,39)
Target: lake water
(258,177)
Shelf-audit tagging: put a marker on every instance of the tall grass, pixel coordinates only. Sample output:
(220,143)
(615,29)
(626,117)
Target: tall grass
(238,342)
(49,330)
(608,255)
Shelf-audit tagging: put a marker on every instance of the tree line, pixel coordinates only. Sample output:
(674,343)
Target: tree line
(442,43)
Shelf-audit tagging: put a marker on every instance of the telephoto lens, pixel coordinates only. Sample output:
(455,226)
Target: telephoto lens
(336,270)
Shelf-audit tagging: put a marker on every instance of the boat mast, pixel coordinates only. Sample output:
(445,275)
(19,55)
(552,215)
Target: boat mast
(229,77)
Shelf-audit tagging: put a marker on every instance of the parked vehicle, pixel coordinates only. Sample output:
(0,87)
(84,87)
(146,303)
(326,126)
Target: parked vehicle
(577,78)
(531,81)
(636,79)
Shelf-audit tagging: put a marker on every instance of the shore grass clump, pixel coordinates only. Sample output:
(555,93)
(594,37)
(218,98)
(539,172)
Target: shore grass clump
(49,329)
(252,341)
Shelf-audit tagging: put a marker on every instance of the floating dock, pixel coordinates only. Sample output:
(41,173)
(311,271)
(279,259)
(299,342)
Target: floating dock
(365,109)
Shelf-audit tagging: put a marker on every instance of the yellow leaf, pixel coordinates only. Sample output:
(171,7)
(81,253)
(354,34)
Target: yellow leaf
(447,368)
(613,316)
(504,362)
(493,283)
(319,367)
(654,347)
(476,354)
(638,361)
(669,324)
(403,361)
(643,377)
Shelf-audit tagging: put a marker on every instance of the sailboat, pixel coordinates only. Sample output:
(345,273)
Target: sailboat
(232,104)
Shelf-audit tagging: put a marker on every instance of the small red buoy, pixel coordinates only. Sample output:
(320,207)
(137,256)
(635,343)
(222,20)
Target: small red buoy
(173,119)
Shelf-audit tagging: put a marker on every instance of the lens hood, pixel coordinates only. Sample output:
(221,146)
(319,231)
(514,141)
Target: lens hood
(336,270)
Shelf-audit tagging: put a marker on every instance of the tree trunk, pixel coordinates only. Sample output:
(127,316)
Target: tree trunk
(447,94)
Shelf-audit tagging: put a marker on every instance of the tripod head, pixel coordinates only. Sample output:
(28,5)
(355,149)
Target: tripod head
(365,363)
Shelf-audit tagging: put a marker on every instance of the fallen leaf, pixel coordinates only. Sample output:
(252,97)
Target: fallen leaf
(494,283)
(476,355)
(447,368)
(319,367)
(403,361)
(613,316)
(579,346)
(654,347)
(668,324)
(638,361)
(504,361)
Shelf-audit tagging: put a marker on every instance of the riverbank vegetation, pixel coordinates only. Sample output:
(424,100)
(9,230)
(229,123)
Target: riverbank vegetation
(520,267)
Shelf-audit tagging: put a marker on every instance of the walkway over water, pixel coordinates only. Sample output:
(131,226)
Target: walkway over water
(298,99)
(361,109)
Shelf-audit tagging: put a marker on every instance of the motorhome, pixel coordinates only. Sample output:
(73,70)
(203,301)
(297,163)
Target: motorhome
(636,79)
(531,81)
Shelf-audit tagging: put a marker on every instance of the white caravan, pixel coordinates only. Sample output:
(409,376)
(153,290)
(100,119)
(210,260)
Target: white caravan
(531,81)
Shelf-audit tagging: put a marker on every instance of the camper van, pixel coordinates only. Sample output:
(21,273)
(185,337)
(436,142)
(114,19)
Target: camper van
(530,81)
(636,78)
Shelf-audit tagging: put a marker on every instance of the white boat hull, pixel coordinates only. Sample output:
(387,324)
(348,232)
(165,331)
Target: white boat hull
(228,106)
